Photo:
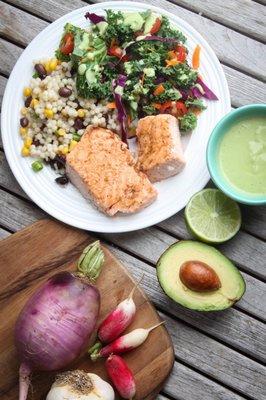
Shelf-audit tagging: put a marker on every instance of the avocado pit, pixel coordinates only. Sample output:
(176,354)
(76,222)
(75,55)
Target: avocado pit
(198,276)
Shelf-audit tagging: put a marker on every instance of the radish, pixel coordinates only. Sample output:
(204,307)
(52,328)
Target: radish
(56,323)
(121,376)
(73,385)
(119,319)
(124,343)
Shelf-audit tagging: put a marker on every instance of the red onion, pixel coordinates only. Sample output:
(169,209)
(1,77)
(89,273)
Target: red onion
(56,323)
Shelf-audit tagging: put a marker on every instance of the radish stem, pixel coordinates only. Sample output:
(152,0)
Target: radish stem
(24,381)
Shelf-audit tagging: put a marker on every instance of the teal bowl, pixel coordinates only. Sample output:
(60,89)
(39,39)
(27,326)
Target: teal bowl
(213,159)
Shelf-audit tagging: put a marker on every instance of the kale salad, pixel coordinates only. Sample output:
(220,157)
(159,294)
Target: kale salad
(138,63)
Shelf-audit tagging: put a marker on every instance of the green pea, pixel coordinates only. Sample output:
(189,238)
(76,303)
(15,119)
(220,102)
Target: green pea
(37,166)
(76,137)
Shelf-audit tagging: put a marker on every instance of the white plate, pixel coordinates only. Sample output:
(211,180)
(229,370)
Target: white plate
(67,204)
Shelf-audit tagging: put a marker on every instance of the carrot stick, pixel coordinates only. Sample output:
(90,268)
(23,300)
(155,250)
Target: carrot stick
(196,57)
(158,90)
(111,105)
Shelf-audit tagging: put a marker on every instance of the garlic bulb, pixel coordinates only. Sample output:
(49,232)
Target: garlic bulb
(79,385)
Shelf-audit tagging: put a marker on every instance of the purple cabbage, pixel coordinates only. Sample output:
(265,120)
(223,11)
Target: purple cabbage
(94,18)
(208,94)
(184,93)
(196,92)
(122,115)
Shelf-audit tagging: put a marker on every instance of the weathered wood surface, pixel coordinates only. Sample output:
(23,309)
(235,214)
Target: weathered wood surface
(218,355)
(246,16)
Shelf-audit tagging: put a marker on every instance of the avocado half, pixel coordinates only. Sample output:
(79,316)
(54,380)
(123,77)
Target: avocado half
(232,285)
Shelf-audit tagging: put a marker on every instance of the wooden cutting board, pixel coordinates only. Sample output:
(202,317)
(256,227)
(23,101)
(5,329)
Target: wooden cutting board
(27,259)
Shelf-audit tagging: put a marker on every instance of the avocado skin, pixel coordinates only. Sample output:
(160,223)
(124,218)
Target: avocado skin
(181,299)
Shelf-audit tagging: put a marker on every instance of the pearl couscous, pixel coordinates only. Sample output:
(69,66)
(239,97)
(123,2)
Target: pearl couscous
(54,118)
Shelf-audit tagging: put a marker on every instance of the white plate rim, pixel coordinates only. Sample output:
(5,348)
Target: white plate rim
(123,227)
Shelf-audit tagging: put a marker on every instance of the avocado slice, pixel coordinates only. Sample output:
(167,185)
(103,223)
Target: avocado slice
(150,21)
(231,283)
(134,20)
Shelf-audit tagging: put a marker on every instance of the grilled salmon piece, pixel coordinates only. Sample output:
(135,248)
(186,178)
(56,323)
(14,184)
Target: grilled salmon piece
(104,171)
(160,153)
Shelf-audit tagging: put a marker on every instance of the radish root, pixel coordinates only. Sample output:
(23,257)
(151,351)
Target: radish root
(24,381)
(155,326)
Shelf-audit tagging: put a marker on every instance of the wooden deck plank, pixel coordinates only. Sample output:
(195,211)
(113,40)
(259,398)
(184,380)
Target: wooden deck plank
(231,326)
(254,220)
(9,55)
(219,361)
(250,21)
(255,289)
(188,384)
(3,82)
(237,50)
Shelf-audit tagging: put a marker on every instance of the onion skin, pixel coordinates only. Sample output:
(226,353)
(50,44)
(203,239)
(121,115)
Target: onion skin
(56,323)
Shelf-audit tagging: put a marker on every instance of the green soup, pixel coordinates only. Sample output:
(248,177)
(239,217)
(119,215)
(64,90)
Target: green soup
(242,156)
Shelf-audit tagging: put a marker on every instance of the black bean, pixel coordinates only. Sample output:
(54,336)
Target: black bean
(58,161)
(73,71)
(28,101)
(62,180)
(78,123)
(24,122)
(36,142)
(41,71)
(64,92)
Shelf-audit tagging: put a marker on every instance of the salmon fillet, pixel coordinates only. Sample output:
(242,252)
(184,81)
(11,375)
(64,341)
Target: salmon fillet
(160,153)
(104,171)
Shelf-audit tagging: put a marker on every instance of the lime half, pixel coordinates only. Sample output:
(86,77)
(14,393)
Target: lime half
(212,217)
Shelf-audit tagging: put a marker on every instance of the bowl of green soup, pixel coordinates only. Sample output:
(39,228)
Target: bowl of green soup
(236,154)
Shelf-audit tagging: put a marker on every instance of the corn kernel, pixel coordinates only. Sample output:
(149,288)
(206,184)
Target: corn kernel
(61,132)
(47,66)
(73,144)
(81,113)
(52,64)
(34,103)
(48,113)
(25,151)
(64,113)
(64,150)
(23,111)
(23,131)
(27,91)
(28,142)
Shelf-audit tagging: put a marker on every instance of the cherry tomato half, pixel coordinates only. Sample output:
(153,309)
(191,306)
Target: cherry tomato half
(115,51)
(181,54)
(67,45)
(156,26)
